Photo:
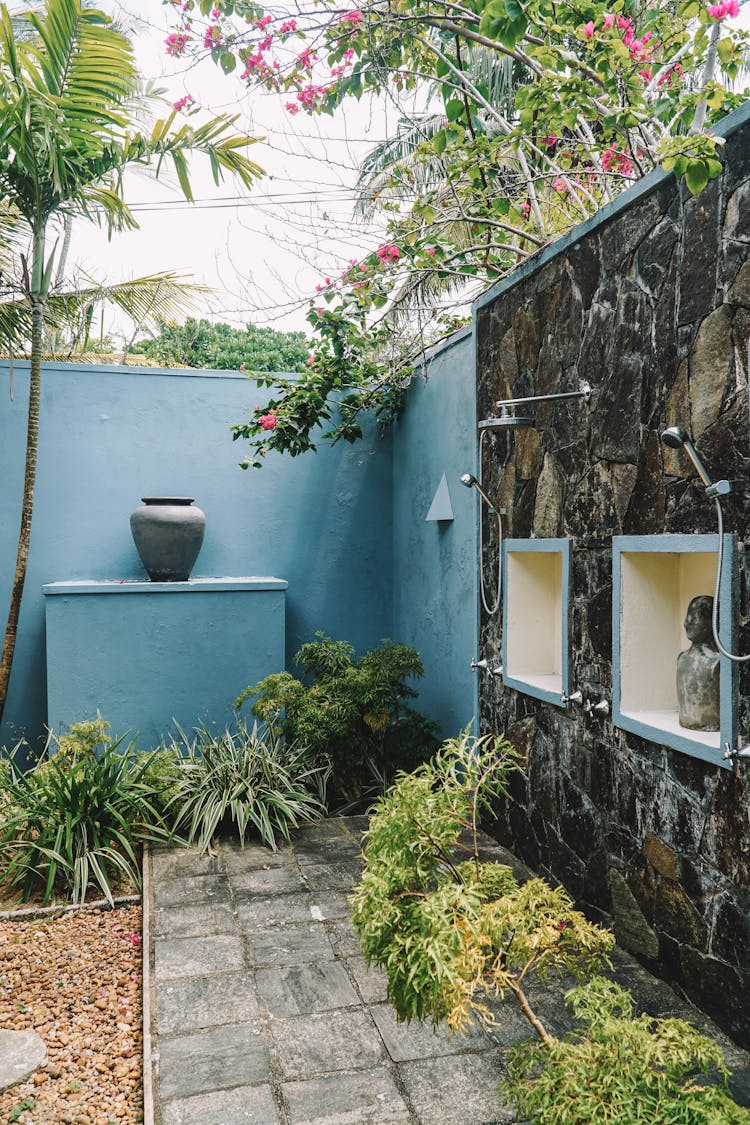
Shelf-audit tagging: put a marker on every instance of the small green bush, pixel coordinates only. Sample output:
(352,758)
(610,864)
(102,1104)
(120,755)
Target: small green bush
(450,930)
(354,712)
(622,1068)
(446,927)
(244,779)
(76,820)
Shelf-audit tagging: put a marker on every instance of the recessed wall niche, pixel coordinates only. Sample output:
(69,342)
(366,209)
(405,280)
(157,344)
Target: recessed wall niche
(536,607)
(654,580)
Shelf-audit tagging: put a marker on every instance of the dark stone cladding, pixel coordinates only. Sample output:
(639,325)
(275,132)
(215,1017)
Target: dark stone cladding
(650,303)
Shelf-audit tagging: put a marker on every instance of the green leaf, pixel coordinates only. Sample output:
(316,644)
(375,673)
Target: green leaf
(696,176)
(454,109)
(725,49)
(228,62)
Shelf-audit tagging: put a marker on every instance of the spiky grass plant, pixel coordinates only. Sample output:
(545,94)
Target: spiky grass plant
(77,822)
(248,779)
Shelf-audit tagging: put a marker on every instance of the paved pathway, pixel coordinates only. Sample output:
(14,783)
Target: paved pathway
(262,1009)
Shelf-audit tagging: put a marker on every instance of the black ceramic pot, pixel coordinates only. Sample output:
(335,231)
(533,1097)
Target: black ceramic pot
(168,534)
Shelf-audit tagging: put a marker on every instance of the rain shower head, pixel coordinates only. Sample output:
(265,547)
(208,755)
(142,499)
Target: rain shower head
(676,437)
(506,419)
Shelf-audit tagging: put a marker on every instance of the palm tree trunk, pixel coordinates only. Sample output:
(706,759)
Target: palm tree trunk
(29,480)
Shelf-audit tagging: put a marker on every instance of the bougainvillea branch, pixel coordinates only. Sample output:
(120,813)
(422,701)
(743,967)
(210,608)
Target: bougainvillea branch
(601,93)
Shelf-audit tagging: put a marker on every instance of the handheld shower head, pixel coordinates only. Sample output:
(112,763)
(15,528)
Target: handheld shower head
(471,481)
(676,437)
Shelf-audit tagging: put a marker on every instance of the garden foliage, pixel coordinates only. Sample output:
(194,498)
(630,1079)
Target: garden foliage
(446,927)
(622,1068)
(77,820)
(354,712)
(452,931)
(244,779)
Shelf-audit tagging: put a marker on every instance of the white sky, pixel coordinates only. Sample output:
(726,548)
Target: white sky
(294,228)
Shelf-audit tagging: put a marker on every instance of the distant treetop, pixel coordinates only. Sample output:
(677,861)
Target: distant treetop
(198,343)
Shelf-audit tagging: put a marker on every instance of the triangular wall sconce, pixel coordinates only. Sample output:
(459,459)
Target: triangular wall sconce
(441,507)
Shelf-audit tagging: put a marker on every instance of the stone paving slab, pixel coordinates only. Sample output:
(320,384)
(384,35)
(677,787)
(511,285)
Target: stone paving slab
(214,1059)
(363,1097)
(245,1105)
(263,1009)
(299,990)
(312,1046)
(461,1089)
(192,1003)
(194,921)
(197,956)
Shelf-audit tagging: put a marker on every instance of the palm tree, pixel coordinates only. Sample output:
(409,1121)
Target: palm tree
(69,108)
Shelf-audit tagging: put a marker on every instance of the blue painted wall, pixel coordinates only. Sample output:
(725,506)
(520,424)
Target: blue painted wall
(435,568)
(348,536)
(111,435)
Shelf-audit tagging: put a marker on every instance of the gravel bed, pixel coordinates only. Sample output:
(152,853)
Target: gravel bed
(75,979)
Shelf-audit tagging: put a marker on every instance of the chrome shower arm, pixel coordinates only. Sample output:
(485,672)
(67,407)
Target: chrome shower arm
(583,392)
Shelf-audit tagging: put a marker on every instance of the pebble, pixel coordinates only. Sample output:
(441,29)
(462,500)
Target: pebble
(76,980)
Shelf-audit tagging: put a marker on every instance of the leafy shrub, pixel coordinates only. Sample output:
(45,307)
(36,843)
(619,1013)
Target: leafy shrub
(354,712)
(448,929)
(622,1068)
(246,779)
(162,773)
(75,820)
(80,740)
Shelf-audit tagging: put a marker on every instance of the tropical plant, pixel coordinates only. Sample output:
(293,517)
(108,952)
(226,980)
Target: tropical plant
(69,108)
(621,1067)
(354,712)
(198,343)
(77,822)
(600,95)
(244,779)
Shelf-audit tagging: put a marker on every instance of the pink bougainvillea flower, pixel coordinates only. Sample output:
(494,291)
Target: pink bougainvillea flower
(430,250)
(311,360)
(176,44)
(287,26)
(609,19)
(263,22)
(388,253)
(560,185)
(549,140)
(353,17)
(588,29)
(268,421)
(291,107)
(183,103)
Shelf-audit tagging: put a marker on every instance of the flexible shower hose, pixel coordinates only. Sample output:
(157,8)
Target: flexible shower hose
(489,610)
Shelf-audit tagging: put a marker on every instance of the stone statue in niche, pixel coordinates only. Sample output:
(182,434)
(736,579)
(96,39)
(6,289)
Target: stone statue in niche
(698,670)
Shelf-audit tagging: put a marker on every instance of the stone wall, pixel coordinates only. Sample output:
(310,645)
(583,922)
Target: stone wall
(651,305)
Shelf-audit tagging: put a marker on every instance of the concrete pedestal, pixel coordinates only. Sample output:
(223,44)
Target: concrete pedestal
(146,653)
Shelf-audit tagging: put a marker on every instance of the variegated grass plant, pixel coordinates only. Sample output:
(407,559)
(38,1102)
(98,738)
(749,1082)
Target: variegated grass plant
(246,779)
